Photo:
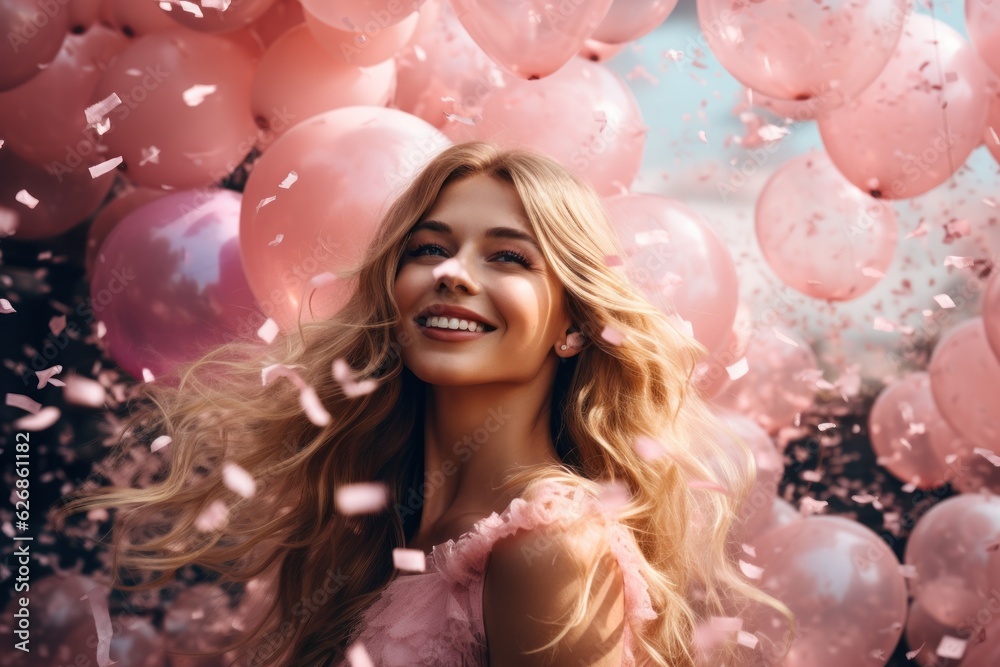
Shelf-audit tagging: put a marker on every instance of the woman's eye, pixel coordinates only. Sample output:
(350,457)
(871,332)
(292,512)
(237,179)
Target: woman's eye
(518,257)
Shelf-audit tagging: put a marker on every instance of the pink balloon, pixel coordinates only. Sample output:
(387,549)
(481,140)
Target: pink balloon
(199,619)
(991,137)
(678,262)
(110,215)
(139,18)
(985,653)
(628,20)
(779,384)
(756,510)
(84,13)
(185,118)
(169,284)
(965,379)
(361,49)
(799,110)
(63,199)
(297,79)
(584,116)
(841,581)
(950,550)
(991,313)
(366,16)
(922,629)
(917,123)
(982,18)
(600,52)
(236,15)
(58,135)
(31,39)
(798,51)
(280,17)
(348,164)
(711,376)
(820,234)
(444,73)
(781,514)
(901,423)
(534,38)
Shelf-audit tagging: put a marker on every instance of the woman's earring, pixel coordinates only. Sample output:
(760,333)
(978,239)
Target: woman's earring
(562,347)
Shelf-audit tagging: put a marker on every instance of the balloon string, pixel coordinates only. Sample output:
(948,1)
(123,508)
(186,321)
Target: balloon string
(944,113)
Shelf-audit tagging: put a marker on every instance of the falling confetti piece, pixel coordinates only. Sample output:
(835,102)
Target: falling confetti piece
(289,180)
(357,656)
(5,307)
(455,118)
(84,391)
(648,448)
(268,331)
(702,137)
(951,647)
(361,498)
(45,377)
(409,560)
(322,279)
(212,517)
(343,374)
(197,93)
(826,426)
(910,655)
(57,324)
(25,198)
(783,338)
(944,301)
(921,230)
(864,498)
(264,202)
(772,132)
(102,623)
(147,375)
(612,335)
(310,402)
(956,229)
(160,442)
(99,170)
(811,476)
(40,421)
(882,324)
(23,402)
(809,506)
(870,272)
(988,455)
(95,112)
(239,480)
(221,5)
(739,369)
(750,550)
(191,8)
(744,638)
(276,240)
(151,154)
(752,571)
(959,262)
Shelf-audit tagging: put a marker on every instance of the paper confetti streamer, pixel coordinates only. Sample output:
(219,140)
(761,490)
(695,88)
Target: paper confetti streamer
(239,480)
(99,170)
(361,498)
(102,622)
(264,202)
(410,560)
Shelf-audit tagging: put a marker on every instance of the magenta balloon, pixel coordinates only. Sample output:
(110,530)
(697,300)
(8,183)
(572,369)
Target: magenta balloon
(628,20)
(965,379)
(364,16)
(64,199)
(803,50)
(185,118)
(168,281)
(445,73)
(779,383)
(678,262)
(57,135)
(950,550)
(901,423)
(531,39)
(820,234)
(348,164)
(917,123)
(982,19)
(32,34)
(991,313)
(237,15)
(841,581)
(584,116)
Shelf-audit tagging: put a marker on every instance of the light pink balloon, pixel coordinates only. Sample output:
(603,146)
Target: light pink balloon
(678,262)
(584,116)
(965,379)
(84,13)
(110,215)
(841,581)
(982,19)
(900,423)
(362,49)
(31,39)
(534,38)
(628,20)
(923,630)
(280,17)
(600,52)
(802,50)
(298,79)
(756,509)
(444,73)
(348,164)
(991,137)
(236,15)
(57,136)
(366,16)
(169,283)
(780,381)
(139,18)
(950,550)
(711,376)
(798,110)
(820,234)
(63,200)
(185,118)
(781,514)
(917,123)
(991,313)
(985,653)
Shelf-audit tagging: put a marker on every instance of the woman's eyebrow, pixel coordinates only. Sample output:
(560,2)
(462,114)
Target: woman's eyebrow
(491,233)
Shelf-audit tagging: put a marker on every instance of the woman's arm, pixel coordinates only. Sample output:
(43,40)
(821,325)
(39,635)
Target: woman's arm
(539,575)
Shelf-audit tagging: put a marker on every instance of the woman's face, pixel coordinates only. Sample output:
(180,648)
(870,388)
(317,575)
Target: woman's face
(467,267)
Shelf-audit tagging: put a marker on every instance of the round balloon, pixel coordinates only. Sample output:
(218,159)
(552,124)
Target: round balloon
(628,20)
(820,234)
(32,37)
(314,199)
(129,199)
(362,16)
(211,18)
(991,137)
(678,262)
(600,52)
(918,121)
(991,313)
(139,18)
(168,282)
(982,19)
(713,374)
(358,49)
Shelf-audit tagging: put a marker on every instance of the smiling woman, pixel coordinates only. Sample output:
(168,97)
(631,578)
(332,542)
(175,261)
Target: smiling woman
(523,394)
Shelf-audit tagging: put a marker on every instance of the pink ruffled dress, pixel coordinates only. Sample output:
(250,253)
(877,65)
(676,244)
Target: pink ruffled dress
(436,617)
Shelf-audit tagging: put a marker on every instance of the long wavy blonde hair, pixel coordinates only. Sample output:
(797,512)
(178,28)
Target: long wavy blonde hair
(289,533)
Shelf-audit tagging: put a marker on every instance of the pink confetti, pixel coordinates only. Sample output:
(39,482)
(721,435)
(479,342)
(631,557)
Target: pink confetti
(951,647)
(45,377)
(310,402)
(944,301)
(268,330)
(23,402)
(323,279)
(811,476)
(276,240)
(82,390)
(95,112)
(739,369)
(826,426)
(612,335)
(882,324)
(752,571)
(212,517)
(910,655)
(783,338)
(702,137)
(809,506)
(988,455)
(25,198)
(238,479)
(750,550)
(289,180)
(744,638)
(343,374)
(772,132)
(264,202)
(197,93)
(870,272)
(648,449)
(921,230)
(409,560)
(57,324)
(147,375)
(956,229)
(39,421)
(357,656)
(613,260)
(160,442)
(151,154)
(99,170)
(361,498)
(959,262)
(102,622)
(5,307)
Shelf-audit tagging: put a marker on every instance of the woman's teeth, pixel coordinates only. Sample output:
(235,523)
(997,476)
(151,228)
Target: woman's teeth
(452,323)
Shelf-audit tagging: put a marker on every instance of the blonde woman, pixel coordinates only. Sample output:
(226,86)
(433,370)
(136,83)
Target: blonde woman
(532,423)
